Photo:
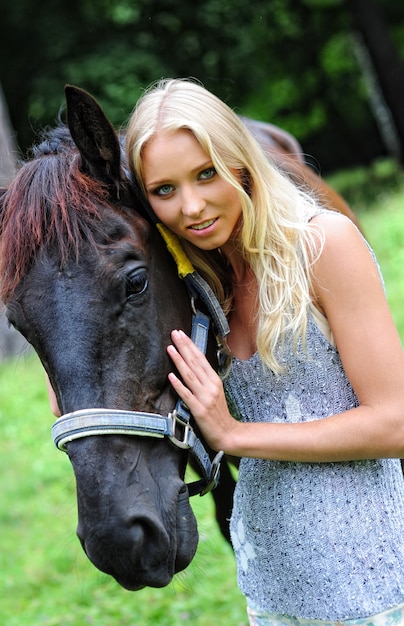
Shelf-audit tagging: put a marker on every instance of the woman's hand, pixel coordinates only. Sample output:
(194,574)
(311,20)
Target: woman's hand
(201,390)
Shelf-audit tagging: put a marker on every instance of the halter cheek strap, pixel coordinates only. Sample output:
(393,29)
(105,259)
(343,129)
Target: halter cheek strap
(197,286)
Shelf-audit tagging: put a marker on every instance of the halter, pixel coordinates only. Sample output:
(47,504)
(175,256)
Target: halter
(88,422)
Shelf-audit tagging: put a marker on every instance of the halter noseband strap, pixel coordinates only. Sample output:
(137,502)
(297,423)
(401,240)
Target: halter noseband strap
(89,422)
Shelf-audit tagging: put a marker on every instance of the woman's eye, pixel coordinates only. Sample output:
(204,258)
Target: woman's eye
(164,190)
(208,173)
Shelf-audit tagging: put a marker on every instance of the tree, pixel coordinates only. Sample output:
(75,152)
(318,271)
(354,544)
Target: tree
(385,70)
(11,342)
(8,148)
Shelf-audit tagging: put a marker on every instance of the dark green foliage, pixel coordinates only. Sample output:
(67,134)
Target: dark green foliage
(290,62)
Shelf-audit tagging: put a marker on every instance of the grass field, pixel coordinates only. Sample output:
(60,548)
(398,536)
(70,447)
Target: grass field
(45,579)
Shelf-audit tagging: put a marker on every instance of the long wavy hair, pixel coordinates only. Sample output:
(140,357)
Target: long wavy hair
(276,237)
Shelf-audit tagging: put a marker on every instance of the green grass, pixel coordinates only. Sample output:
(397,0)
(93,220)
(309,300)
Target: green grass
(45,578)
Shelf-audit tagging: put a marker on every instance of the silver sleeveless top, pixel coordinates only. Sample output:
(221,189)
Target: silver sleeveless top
(313,540)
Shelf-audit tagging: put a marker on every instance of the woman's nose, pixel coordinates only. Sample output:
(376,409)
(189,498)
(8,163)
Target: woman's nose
(192,203)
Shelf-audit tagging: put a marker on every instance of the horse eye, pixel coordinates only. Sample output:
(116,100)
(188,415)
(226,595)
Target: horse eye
(136,283)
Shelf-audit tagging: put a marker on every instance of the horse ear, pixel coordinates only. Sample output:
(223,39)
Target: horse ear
(94,136)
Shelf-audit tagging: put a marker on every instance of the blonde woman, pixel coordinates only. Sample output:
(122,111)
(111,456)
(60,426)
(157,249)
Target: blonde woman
(314,401)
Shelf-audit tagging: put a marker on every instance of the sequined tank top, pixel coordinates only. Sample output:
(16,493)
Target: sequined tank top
(313,540)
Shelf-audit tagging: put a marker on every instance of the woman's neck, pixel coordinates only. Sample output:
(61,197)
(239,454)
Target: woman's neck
(243,318)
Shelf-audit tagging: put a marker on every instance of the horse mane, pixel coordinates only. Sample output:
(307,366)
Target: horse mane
(49,201)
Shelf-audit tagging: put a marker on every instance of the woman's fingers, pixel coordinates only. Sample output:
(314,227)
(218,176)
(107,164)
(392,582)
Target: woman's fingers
(201,389)
(200,383)
(189,360)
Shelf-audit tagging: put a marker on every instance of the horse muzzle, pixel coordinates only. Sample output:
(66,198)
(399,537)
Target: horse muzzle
(137,545)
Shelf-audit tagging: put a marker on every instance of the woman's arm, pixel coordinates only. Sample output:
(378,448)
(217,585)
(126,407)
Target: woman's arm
(350,293)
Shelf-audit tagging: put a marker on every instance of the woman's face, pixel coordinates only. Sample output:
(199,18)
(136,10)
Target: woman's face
(186,192)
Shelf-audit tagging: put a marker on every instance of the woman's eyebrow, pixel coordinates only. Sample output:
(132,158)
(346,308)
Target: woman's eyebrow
(162,181)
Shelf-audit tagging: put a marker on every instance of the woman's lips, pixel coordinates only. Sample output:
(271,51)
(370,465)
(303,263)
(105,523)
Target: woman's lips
(203,225)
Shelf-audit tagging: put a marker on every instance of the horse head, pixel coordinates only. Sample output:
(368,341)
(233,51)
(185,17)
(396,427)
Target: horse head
(89,282)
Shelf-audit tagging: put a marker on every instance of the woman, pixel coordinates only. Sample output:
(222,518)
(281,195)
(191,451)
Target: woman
(314,401)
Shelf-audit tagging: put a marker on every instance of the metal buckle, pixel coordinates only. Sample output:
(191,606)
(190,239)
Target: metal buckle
(184,443)
(214,474)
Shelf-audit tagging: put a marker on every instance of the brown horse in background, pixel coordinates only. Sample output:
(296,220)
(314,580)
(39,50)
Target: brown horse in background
(287,154)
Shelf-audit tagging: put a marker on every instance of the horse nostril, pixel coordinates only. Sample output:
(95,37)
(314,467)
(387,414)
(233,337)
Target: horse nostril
(147,531)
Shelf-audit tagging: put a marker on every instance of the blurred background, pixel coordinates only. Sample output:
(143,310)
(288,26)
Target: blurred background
(331,72)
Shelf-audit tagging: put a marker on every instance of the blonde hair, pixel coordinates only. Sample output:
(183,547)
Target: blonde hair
(276,238)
